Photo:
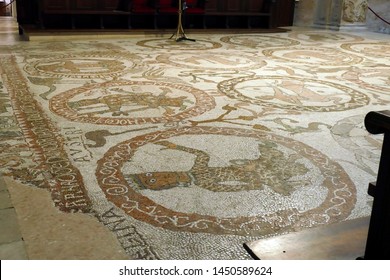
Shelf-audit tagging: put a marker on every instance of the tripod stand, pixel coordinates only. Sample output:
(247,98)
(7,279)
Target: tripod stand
(180,35)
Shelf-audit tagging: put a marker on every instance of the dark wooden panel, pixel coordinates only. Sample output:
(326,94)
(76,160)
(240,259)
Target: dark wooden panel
(220,13)
(28,11)
(212,5)
(84,4)
(232,6)
(2,8)
(284,12)
(55,5)
(64,5)
(108,5)
(254,6)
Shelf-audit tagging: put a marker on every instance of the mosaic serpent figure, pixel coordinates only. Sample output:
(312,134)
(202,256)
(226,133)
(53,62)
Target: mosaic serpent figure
(273,168)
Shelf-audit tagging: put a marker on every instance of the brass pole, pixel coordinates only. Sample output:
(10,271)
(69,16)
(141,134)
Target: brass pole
(180,34)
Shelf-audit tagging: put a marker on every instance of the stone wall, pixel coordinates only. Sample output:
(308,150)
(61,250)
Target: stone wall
(304,13)
(382,8)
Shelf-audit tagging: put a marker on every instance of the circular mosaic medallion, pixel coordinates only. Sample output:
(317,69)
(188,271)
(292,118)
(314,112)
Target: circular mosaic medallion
(212,61)
(224,181)
(257,41)
(318,56)
(324,37)
(86,65)
(375,50)
(293,93)
(171,44)
(376,78)
(131,102)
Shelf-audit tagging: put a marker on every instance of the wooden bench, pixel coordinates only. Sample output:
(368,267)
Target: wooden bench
(250,10)
(248,15)
(73,14)
(102,14)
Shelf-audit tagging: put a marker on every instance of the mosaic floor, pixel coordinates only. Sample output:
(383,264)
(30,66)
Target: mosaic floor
(187,150)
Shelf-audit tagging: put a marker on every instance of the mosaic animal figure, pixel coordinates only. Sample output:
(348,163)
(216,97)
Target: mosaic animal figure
(113,103)
(302,92)
(273,168)
(99,136)
(69,66)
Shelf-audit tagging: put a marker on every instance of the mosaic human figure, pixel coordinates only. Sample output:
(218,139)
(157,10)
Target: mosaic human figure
(114,102)
(69,66)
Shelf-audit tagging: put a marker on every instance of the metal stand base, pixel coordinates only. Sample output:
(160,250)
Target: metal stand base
(180,35)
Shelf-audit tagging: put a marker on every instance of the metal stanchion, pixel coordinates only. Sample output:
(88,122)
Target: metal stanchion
(180,34)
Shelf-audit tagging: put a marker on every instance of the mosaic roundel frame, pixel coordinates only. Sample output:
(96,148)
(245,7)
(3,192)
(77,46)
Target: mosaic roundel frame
(258,42)
(338,204)
(202,102)
(83,65)
(375,78)
(324,37)
(231,89)
(374,50)
(215,61)
(319,56)
(172,45)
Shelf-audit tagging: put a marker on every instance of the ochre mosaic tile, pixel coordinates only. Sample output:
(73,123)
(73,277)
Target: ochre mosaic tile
(187,150)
